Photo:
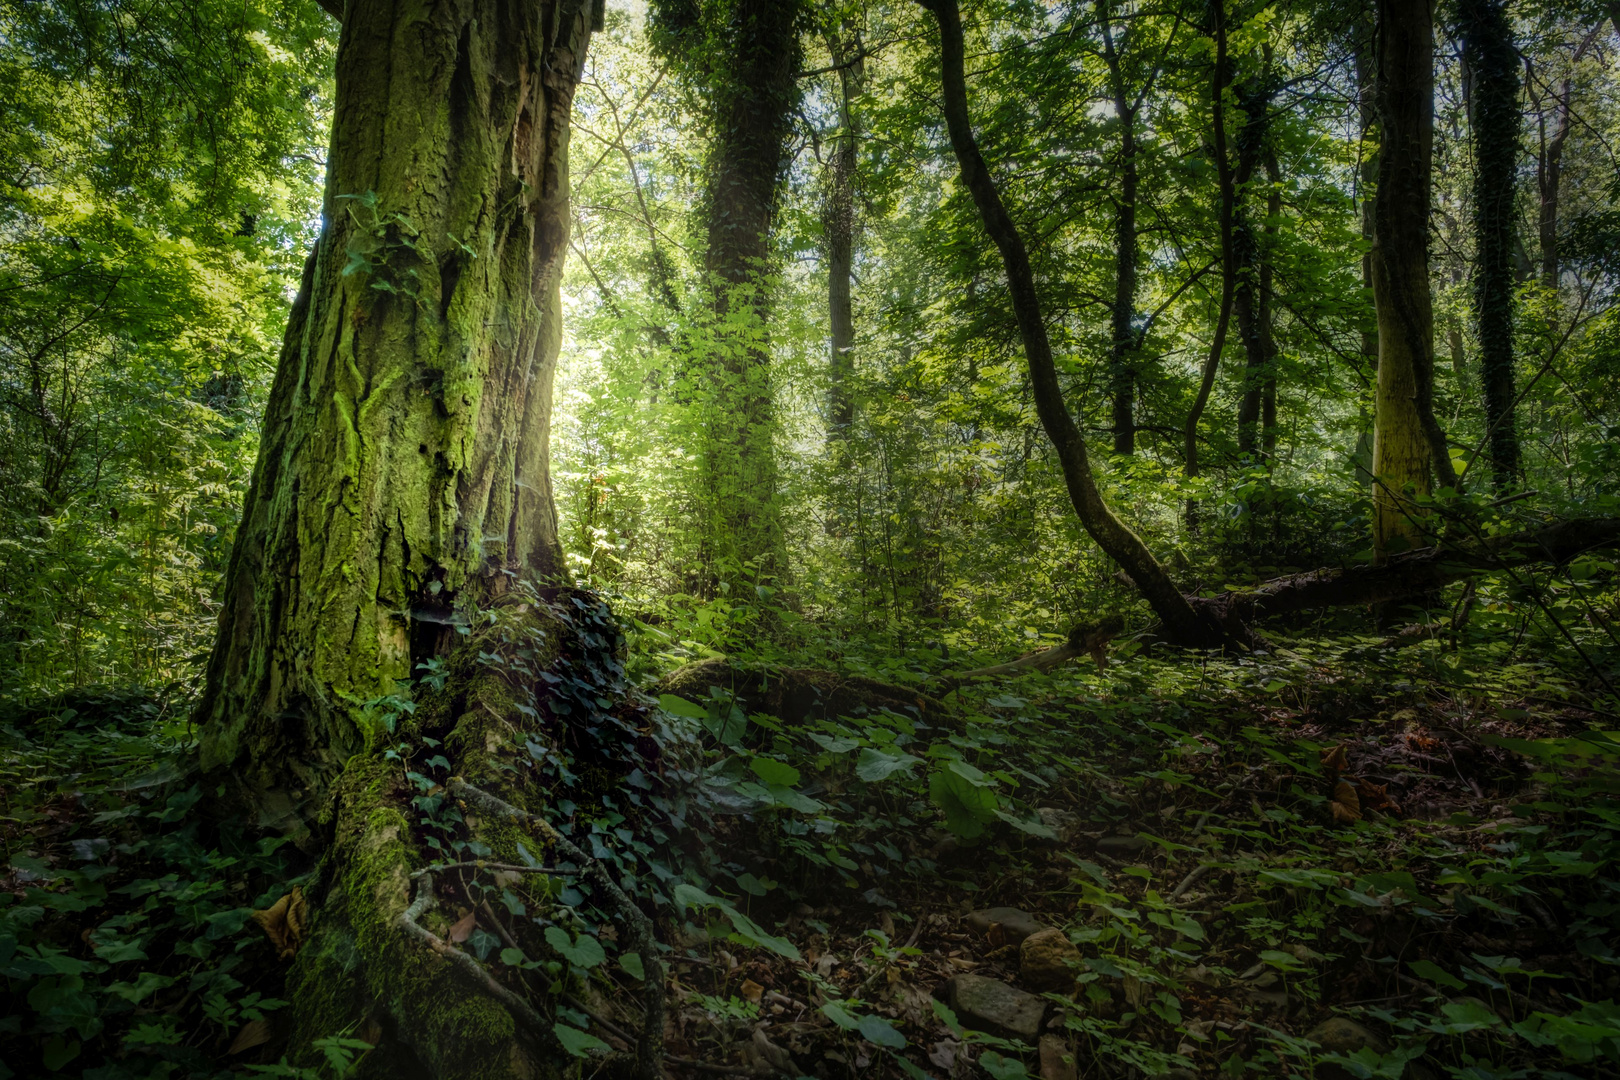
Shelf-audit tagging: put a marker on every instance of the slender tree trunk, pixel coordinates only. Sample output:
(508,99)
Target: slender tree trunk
(1220,80)
(1268,339)
(1112,535)
(1365,34)
(403,472)
(1549,177)
(1125,337)
(1251,249)
(1490,55)
(838,224)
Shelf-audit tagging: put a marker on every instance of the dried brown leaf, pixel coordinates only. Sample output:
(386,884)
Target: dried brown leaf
(253,1033)
(1336,758)
(751,991)
(463,928)
(286,923)
(1346,805)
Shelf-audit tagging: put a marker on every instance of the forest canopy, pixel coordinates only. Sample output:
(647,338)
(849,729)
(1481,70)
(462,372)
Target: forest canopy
(755,537)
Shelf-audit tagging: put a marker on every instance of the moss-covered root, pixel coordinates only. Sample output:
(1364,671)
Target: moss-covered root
(360,967)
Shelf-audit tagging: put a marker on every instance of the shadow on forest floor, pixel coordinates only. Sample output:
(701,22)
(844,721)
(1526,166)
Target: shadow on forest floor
(1332,860)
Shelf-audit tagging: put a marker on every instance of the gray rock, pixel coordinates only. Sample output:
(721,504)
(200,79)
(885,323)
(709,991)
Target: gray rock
(1063,822)
(991,1005)
(1057,1062)
(1015,925)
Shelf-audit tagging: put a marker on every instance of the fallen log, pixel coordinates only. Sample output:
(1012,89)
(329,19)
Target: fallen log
(1407,575)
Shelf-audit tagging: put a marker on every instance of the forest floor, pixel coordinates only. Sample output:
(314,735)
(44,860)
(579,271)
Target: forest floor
(1332,860)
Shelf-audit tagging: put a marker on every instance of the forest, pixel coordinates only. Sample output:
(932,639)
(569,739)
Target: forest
(871,539)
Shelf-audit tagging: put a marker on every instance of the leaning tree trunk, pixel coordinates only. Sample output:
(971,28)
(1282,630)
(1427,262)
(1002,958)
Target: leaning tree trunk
(1111,534)
(1407,442)
(403,471)
(1490,55)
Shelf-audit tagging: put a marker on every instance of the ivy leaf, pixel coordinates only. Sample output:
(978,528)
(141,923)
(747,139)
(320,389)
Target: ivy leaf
(1436,974)
(631,964)
(1002,1068)
(678,706)
(840,1016)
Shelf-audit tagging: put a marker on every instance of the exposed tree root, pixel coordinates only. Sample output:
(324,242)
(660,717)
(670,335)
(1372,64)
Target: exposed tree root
(1090,638)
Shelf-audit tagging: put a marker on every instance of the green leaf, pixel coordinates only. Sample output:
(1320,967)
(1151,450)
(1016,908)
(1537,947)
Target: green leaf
(838,1015)
(1436,974)
(877,1030)
(967,806)
(1002,1068)
(774,772)
(678,706)
(689,896)
(631,963)
(512,957)
(584,951)
(578,1043)
(59,1051)
(874,765)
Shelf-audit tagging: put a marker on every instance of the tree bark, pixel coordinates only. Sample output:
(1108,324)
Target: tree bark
(749,69)
(1549,178)
(1407,441)
(1220,80)
(1489,52)
(1125,338)
(1412,573)
(1112,535)
(838,224)
(403,472)
(1251,301)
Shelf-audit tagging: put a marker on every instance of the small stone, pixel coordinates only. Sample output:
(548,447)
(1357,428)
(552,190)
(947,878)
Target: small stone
(1340,1035)
(991,1005)
(1057,1062)
(1120,846)
(1045,959)
(1063,822)
(1015,925)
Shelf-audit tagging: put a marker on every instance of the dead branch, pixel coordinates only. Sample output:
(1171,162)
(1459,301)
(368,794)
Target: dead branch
(1088,638)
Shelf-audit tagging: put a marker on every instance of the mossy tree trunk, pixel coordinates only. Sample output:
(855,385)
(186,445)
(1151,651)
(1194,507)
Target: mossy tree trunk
(1408,447)
(743,58)
(403,473)
(1125,338)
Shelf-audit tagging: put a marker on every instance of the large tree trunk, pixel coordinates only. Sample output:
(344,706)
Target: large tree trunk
(1407,442)
(1111,534)
(744,55)
(1494,121)
(403,472)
